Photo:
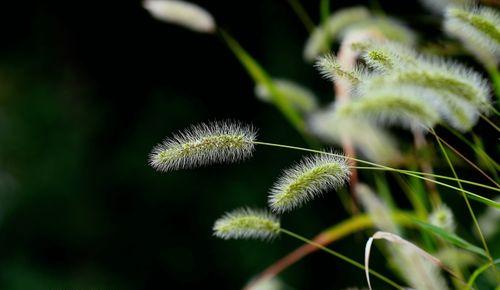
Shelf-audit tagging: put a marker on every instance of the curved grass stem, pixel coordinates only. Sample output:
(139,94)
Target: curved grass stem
(430,175)
(342,257)
(479,271)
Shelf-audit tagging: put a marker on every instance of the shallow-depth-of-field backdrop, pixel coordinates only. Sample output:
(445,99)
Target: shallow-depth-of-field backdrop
(88,88)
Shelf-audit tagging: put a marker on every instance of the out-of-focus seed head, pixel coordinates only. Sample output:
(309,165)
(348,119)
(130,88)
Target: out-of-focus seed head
(247,223)
(181,13)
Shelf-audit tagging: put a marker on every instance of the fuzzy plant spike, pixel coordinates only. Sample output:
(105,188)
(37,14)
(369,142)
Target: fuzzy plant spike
(446,77)
(457,258)
(247,223)
(316,45)
(267,284)
(300,97)
(478,28)
(342,19)
(376,143)
(182,13)
(453,111)
(318,42)
(312,176)
(490,220)
(443,217)
(390,28)
(203,144)
(330,69)
(402,106)
(386,55)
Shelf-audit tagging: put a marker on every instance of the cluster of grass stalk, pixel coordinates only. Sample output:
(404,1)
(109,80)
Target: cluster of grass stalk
(381,79)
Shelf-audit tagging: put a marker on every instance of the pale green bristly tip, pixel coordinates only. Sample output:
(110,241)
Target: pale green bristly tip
(375,144)
(414,88)
(489,220)
(203,144)
(247,223)
(306,180)
(299,97)
(478,28)
(319,40)
(329,67)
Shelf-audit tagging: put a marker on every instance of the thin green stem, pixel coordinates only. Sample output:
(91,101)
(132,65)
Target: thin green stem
(479,271)
(431,175)
(474,196)
(491,123)
(483,240)
(464,158)
(478,151)
(302,14)
(495,79)
(342,257)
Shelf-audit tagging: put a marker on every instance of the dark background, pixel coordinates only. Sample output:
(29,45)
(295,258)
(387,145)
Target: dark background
(87,88)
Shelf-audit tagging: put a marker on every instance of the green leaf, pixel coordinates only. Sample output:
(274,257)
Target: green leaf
(452,238)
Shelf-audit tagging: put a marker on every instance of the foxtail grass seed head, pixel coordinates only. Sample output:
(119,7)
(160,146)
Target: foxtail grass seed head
(316,45)
(457,258)
(310,177)
(387,55)
(375,144)
(393,106)
(319,41)
(203,144)
(390,28)
(445,77)
(343,19)
(376,208)
(267,284)
(329,67)
(300,97)
(181,13)
(247,223)
(443,217)
(490,220)
(478,28)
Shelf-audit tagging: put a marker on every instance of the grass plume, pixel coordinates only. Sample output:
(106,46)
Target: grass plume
(307,179)
(202,144)
(247,223)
